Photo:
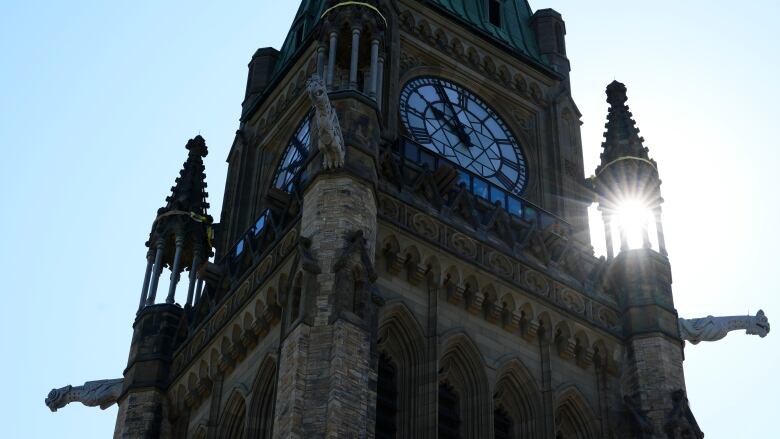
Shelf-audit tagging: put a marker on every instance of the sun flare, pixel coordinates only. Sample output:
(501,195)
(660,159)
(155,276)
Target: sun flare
(633,219)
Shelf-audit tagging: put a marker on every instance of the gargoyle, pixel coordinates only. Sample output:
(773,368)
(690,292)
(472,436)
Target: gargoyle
(102,393)
(715,328)
(326,123)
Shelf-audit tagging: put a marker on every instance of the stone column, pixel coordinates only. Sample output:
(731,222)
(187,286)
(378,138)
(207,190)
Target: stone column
(659,228)
(157,272)
(193,275)
(327,367)
(147,277)
(320,60)
(372,80)
(353,62)
(379,81)
(331,58)
(608,234)
(641,279)
(175,274)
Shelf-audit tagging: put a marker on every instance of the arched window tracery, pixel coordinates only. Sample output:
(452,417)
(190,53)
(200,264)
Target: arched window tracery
(462,370)
(261,411)
(386,398)
(573,418)
(518,398)
(402,346)
(233,418)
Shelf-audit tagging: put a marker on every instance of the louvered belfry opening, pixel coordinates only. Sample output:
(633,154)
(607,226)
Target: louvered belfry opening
(449,412)
(386,398)
(502,424)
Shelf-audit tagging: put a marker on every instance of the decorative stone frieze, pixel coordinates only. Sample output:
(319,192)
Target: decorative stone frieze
(471,55)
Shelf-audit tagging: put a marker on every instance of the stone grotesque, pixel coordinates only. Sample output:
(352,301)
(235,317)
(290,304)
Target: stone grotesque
(102,393)
(326,123)
(715,328)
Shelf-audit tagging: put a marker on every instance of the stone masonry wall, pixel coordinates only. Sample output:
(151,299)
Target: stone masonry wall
(656,371)
(141,416)
(325,366)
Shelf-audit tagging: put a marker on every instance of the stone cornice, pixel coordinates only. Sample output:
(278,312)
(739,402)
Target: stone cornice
(528,275)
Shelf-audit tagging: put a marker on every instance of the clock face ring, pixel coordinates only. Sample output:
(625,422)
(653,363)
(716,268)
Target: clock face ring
(294,156)
(456,124)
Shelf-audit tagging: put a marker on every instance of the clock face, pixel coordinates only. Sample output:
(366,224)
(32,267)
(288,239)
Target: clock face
(453,122)
(293,157)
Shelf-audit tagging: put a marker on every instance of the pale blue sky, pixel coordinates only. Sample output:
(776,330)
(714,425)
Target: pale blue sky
(97,100)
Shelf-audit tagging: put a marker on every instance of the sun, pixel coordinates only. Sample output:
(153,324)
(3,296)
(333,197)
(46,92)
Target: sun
(633,218)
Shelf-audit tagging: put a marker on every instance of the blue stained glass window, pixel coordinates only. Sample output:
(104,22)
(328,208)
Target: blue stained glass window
(260,223)
(480,188)
(427,159)
(294,156)
(514,206)
(497,194)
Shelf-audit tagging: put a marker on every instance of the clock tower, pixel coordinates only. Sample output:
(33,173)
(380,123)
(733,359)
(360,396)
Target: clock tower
(404,251)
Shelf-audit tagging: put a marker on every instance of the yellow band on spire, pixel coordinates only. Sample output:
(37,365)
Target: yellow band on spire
(351,3)
(604,168)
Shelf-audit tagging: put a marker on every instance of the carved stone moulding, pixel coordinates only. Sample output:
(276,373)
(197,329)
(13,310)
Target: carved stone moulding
(507,306)
(473,56)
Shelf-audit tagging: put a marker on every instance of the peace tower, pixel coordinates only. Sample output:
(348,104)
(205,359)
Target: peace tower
(404,250)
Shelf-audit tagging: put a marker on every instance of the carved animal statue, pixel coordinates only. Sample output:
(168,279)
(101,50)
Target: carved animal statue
(715,328)
(326,123)
(103,393)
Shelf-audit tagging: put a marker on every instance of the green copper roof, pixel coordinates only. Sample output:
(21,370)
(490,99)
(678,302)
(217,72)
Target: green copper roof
(515,30)
(307,16)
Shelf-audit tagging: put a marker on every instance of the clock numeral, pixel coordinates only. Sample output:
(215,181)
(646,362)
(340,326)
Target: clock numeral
(513,165)
(506,181)
(420,135)
(462,100)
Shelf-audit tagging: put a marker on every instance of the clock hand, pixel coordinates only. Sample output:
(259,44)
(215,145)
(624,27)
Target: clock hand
(458,127)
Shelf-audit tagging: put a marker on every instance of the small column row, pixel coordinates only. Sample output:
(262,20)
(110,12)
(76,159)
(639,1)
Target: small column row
(348,76)
(154,267)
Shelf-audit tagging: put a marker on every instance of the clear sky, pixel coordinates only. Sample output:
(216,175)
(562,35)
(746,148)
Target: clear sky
(97,100)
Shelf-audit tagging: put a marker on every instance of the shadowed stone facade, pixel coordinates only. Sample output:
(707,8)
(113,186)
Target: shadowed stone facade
(408,292)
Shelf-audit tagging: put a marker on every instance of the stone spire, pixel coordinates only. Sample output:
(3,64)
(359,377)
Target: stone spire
(189,194)
(621,139)
(181,234)
(627,175)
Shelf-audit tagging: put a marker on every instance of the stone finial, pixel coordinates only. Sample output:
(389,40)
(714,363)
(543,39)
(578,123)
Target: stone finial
(616,94)
(715,328)
(102,393)
(197,145)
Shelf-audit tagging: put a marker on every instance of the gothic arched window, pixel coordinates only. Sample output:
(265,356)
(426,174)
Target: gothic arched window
(386,398)
(449,412)
(502,424)
(573,419)
(517,401)
(232,425)
(261,412)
